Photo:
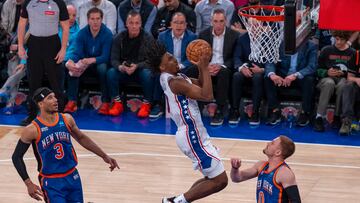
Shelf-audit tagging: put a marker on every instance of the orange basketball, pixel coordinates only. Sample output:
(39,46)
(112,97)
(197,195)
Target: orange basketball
(197,48)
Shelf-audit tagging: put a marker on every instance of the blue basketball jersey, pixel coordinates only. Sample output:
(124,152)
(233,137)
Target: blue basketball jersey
(55,151)
(267,189)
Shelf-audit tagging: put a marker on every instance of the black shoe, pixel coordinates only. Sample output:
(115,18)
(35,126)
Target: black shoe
(345,127)
(303,119)
(218,118)
(255,119)
(319,125)
(26,121)
(336,124)
(168,200)
(234,116)
(274,118)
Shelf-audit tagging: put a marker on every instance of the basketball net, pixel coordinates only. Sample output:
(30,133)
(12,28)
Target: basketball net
(265,26)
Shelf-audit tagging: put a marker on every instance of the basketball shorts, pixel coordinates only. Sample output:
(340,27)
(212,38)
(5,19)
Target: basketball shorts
(196,145)
(62,190)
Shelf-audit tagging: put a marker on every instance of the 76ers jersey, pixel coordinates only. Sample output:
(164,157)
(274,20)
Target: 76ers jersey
(191,136)
(55,151)
(267,189)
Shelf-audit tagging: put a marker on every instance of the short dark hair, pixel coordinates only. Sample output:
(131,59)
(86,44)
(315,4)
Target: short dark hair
(341,34)
(219,11)
(133,13)
(178,13)
(154,53)
(95,10)
(287,146)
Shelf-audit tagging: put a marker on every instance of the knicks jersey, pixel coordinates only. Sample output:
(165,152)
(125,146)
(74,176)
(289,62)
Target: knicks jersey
(55,153)
(267,189)
(191,136)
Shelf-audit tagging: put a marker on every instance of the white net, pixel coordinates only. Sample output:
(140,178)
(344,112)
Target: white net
(265,33)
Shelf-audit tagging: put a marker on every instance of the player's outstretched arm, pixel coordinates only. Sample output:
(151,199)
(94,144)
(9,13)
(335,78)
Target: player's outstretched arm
(238,175)
(200,89)
(287,179)
(88,144)
(27,135)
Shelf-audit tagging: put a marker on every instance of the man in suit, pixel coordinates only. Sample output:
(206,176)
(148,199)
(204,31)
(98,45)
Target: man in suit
(176,41)
(296,70)
(165,14)
(223,41)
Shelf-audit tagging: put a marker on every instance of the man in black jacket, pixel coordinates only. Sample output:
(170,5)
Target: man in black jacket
(223,41)
(164,16)
(129,64)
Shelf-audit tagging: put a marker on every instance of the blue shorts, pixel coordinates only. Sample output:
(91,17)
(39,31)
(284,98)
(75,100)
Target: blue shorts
(62,190)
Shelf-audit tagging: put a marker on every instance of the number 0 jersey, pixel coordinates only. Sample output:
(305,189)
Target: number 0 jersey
(53,148)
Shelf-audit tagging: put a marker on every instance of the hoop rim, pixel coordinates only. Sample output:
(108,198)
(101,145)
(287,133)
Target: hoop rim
(275,18)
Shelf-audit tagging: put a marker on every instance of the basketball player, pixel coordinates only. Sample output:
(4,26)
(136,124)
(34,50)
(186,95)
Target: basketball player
(191,137)
(49,133)
(276,181)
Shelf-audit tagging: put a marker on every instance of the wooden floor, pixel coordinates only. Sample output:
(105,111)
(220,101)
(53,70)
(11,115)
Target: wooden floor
(153,167)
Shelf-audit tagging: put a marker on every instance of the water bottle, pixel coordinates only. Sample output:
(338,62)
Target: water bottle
(290,118)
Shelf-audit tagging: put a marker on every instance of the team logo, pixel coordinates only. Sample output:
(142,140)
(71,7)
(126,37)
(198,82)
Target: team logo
(20,98)
(61,123)
(248,109)
(43,129)
(286,110)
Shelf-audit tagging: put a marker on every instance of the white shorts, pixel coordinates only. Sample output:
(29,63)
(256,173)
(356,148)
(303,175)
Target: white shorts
(197,146)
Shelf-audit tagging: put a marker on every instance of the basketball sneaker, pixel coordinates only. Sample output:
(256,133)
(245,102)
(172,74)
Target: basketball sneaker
(70,107)
(104,108)
(116,109)
(144,111)
(168,200)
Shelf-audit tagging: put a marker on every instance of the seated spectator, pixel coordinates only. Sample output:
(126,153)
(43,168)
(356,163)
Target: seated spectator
(176,40)
(350,94)
(164,16)
(205,8)
(297,70)
(246,71)
(223,41)
(146,9)
(129,64)
(334,60)
(92,51)
(10,15)
(107,8)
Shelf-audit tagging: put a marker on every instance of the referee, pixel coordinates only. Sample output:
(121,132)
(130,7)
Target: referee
(45,50)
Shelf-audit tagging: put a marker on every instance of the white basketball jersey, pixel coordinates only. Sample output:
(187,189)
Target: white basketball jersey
(183,110)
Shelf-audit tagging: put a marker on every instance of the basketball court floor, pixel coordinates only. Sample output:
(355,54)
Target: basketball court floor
(326,165)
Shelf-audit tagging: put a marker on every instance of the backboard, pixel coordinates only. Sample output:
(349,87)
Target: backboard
(301,16)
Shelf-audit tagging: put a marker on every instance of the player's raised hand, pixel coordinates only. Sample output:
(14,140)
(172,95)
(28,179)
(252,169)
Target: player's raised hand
(235,163)
(112,162)
(33,190)
(204,61)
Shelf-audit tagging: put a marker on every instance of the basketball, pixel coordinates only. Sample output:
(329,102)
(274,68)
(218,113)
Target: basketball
(197,48)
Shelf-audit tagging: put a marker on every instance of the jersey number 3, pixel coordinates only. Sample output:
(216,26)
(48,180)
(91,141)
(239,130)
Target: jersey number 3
(59,151)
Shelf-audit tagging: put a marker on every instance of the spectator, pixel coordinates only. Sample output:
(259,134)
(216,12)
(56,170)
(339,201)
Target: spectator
(350,94)
(246,71)
(175,39)
(76,3)
(236,23)
(296,70)
(10,15)
(205,8)
(107,8)
(164,16)
(92,51)
(334,60)
(129,64)
(145,8)
(45,51)
(223,41)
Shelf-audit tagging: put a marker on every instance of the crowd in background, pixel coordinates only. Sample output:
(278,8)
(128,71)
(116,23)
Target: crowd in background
(109,39)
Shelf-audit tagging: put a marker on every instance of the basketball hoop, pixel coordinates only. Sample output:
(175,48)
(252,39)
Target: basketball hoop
(265,27)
